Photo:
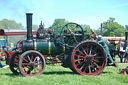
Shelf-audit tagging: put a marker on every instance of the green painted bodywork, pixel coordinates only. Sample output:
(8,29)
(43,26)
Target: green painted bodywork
(49,48)
(42,46)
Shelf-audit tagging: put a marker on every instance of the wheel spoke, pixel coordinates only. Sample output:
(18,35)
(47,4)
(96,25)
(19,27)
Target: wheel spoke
(92,65)
(69,40)
(82,66)
(84,51)
(96,60)
(26,67)
(68,28)
(80,63)
(85,68)
(78,60)
(25,59)
(79,56)
(94,55)
(75,40)
(37,68)
(34,69)
(28,70)
(25,63)
(17,57)
(80,52)
(32,58)
(87,48)
(96,65)
(29,58)
(37,61)
(90,52)
(89,69)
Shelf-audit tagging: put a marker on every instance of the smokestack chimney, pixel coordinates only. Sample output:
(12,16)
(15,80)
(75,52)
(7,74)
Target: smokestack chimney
(101,32)
(29,26)
(126,35)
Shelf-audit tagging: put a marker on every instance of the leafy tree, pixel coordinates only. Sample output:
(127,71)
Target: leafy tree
(111,19)
(111,28)
(58,24)
(126,26)
(86,28)
(9,24)
(97,31)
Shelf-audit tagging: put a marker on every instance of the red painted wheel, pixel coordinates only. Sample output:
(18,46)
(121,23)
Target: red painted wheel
(31,63)
(88,58)
(13,64)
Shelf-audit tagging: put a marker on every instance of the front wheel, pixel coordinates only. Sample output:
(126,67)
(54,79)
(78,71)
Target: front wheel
(31,63)
(88,58)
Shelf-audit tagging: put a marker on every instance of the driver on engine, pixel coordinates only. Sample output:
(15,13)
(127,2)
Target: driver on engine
(102,41)
(41,32)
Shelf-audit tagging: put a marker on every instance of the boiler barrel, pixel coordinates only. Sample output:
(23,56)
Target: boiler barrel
(49,48)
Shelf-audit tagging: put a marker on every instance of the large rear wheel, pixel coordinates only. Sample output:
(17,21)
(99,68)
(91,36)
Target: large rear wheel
(88,58)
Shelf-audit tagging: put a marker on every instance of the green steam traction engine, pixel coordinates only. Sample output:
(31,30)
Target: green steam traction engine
(72,47)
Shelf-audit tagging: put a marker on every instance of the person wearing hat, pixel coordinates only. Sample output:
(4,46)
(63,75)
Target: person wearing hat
(102,41)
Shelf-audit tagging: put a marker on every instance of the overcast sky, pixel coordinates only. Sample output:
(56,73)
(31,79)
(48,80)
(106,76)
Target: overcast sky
(90,12)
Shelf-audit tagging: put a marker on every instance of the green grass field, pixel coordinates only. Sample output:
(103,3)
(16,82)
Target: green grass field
(57,75)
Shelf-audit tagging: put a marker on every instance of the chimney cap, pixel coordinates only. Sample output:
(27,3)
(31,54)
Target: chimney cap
(29,13)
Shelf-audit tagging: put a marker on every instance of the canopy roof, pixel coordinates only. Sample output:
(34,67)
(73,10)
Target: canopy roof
(2,33)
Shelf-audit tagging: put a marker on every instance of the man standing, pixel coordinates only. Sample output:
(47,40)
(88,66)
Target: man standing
(126,55)
(121,51)
(102,41)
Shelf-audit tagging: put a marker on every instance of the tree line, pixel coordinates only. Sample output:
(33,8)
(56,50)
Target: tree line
(110,27)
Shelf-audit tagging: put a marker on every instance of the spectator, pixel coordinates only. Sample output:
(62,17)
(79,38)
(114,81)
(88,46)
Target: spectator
(121,52)
(1,57)
(102,41)
(126,55)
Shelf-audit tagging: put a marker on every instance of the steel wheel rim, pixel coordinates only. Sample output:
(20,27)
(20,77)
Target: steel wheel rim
(85,59)
(32,64)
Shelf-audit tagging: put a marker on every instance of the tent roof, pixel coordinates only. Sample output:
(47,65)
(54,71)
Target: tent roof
(2,32)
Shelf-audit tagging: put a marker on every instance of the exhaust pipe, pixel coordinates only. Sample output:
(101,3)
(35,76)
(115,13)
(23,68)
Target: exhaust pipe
(29,26)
